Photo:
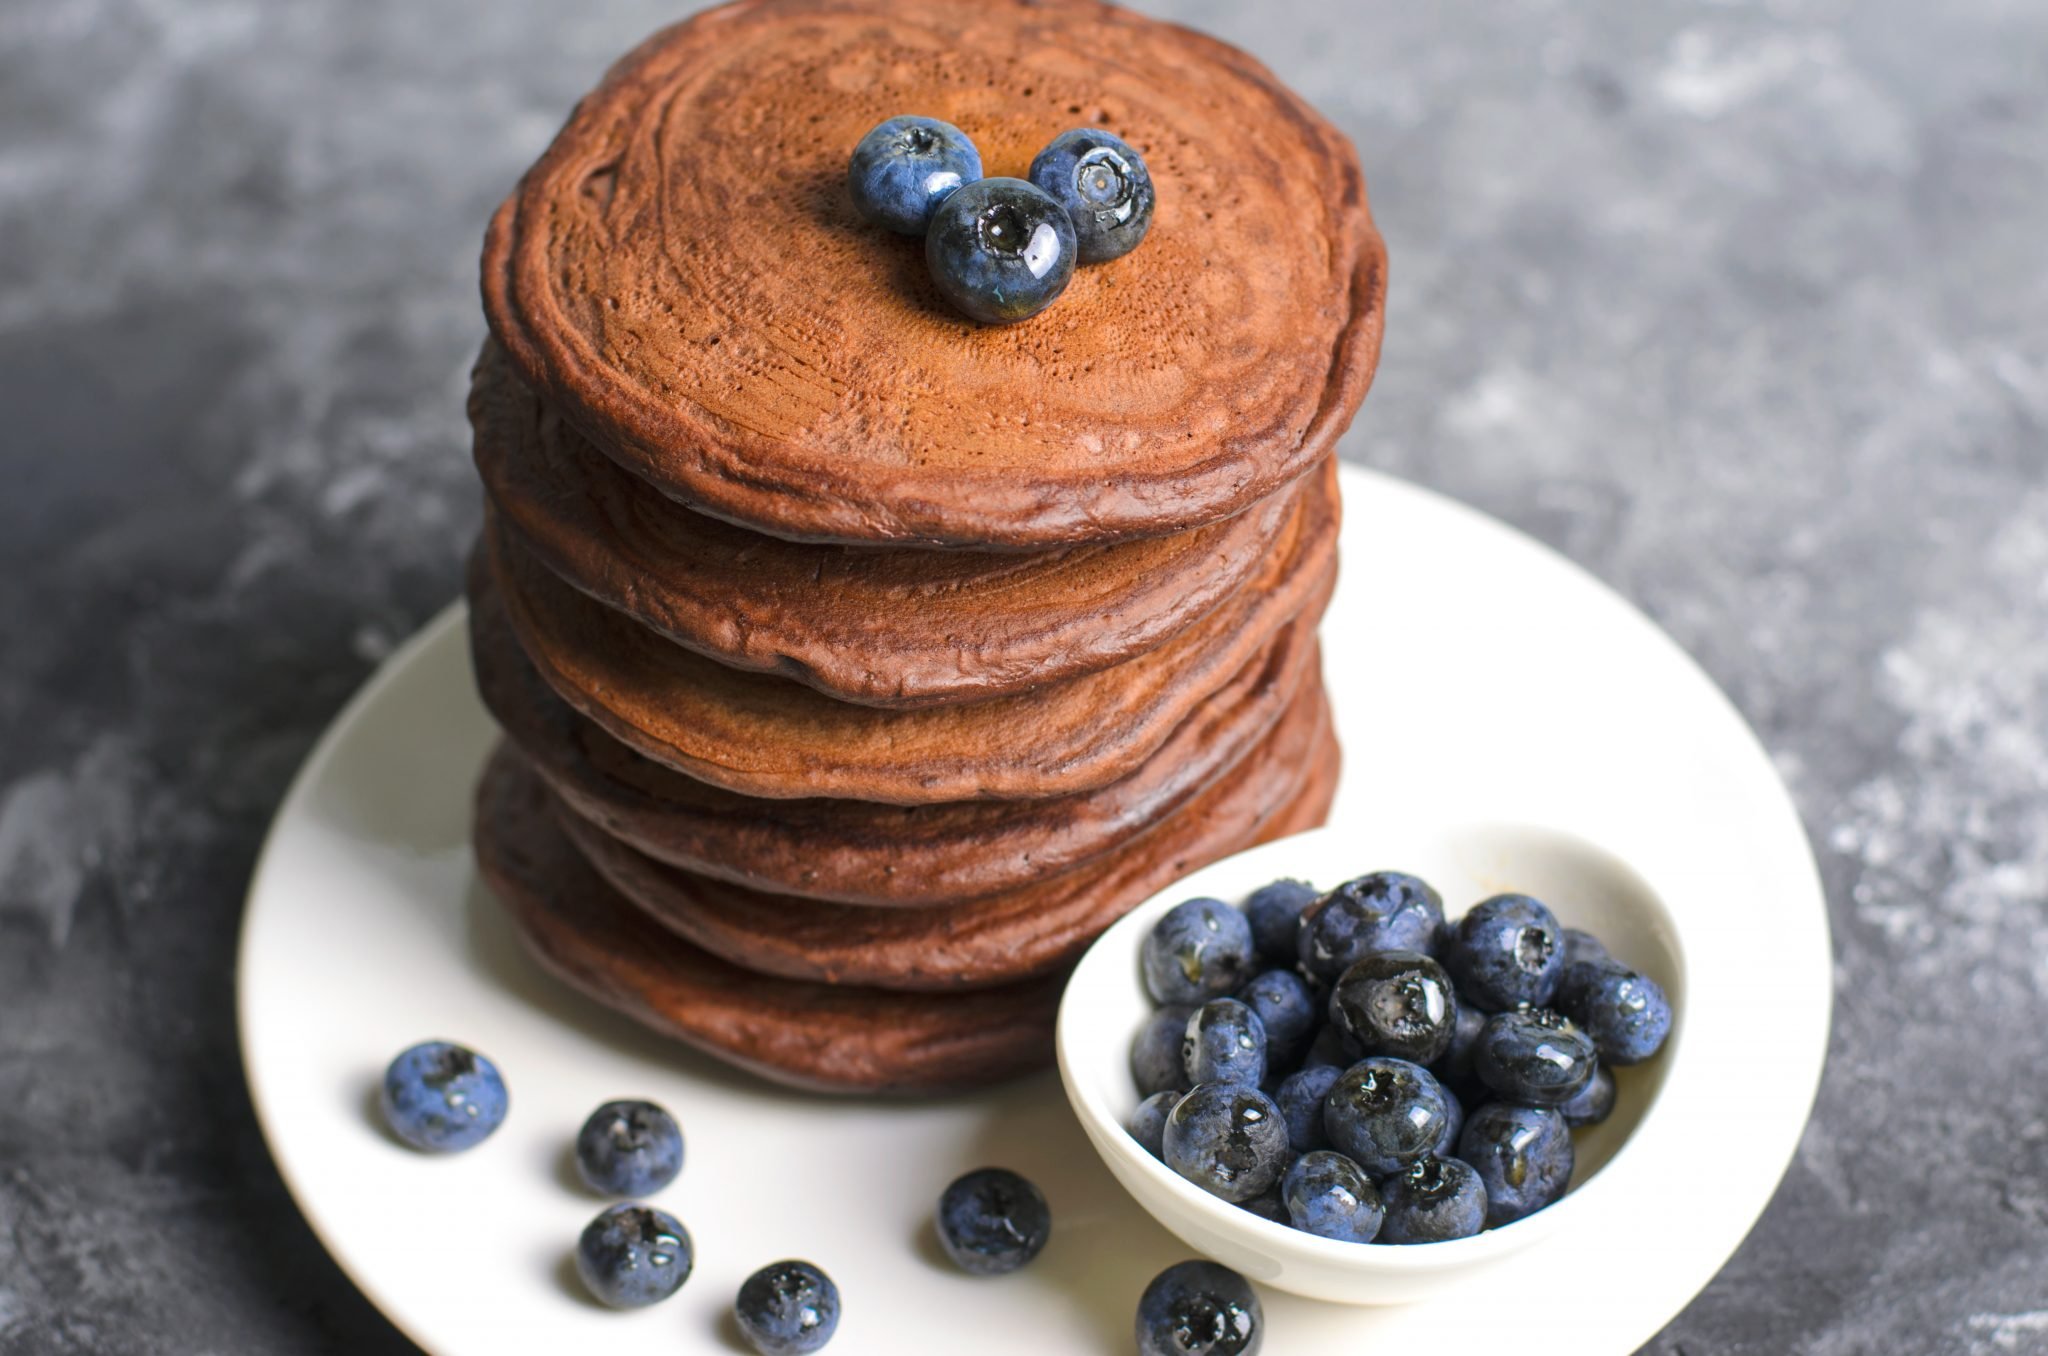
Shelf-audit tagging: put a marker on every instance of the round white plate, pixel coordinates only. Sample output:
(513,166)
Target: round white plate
(1476,677)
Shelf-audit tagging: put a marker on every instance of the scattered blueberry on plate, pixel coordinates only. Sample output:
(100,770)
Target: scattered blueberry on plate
(632,1256)
(1383,1074)
(442,1098)
(905,167)
(1000,250)
(787,1308)
(1103,185)
(1199,1309)
(993,1221)
(629,1149)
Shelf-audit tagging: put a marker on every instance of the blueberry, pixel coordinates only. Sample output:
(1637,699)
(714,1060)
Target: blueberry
(1331,1049)
(992,1221)
(1625,1013)
(1148,1122)
(1000,251)
(1225,1043)
(787,1308)
(903,169)
(1506,952)
(1436,1200)
(1199,1309)
(1155,1051)
(443,1098)
(1300,1099)
(1330,1196)
(1200,950)
(632,1256)
(1285,1007)
(1454,1125)
(1593,1103)
(1104,186)
(1384,1113)
(629,1149)
(1523,1155)
(1275,912)
(1385,911)
(1267,1205)
(1456,1060)
(1227,1139)
(1535,1057)
(1397,1003)
(1580,945)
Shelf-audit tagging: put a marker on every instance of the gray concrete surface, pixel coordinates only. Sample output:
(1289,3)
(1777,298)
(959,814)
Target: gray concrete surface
(1742,305)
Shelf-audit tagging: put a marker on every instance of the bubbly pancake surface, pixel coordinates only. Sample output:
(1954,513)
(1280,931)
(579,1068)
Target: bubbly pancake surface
(879,626)
(684,276)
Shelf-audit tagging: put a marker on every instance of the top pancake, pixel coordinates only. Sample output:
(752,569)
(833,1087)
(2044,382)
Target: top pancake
(877,625)
(684,276)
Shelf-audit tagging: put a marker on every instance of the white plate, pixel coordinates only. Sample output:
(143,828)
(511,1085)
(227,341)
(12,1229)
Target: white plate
(1476,677)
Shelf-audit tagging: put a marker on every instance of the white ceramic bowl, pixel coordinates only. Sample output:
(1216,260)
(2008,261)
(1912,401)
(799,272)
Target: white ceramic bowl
(1105,1004)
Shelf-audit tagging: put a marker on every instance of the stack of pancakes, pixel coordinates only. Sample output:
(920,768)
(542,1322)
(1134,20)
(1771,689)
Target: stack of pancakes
(859,664)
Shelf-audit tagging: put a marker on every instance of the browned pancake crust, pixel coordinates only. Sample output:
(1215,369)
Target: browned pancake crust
(683,275)
(862,852)
(877,625)
(764,736)
(1033,930)
(815,1036)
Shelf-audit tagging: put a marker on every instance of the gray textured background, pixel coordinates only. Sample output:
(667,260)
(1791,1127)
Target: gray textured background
(1742,305)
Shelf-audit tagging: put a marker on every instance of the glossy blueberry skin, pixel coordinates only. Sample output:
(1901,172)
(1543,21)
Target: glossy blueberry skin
(1384,1113)
(1523,1155)
(632,1256)
(1330,1196)
(1397,1003)
(1593,1104)
(1508,951)
(1202,949)
(1275,914)
(1434,1201)
(1148,1122)
(787,1309)
(1199,1309)
(1625,1013)
(1000,251)
(1534,1056)
(1225,1042)
(1446,1145)
(1286,1008)
(1228,1139)
(629,1149)
(1300,1099)
(992,1222)
(1104,186)
(905,167)
(1385,911)
(1456,1060)
(1267,1205)
(1155,1051)
(442,1098)
(1581,945)
(1331,1049)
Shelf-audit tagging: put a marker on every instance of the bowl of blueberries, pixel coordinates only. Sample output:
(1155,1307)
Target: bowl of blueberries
(1367,1084)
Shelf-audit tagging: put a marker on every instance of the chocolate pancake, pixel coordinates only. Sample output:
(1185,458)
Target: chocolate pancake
(876,625)
(765,736)
(813,1036)
(1034,930)
(684,276)
(862,852)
